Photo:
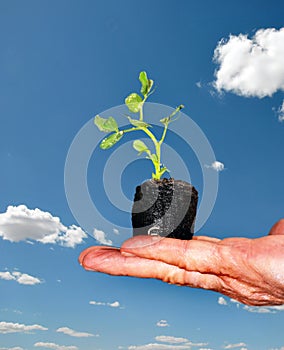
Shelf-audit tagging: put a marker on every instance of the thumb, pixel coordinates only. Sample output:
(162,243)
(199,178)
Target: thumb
(278,228)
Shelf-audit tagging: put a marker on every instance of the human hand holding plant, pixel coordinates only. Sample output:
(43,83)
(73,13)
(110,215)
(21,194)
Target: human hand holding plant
(250,271)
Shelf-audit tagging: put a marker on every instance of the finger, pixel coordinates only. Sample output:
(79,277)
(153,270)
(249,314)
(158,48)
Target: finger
(86,251)
(193,255)
(278,228)
(110,261)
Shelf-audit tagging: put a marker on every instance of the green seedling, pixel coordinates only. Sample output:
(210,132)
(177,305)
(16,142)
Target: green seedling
(135,105)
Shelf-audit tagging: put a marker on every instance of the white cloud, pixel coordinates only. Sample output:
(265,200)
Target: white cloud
(233,346)
(174,343)
(100,303)
(115,231)
(170,339)
(177,340)
(10,327)
(264,309)
(280,112)
(73,333)
(6,276)
(259,309)
(114,304)
(196,344)
(14,348)
(100,236)
(222,301)
(251,67)
(162,323)
(55,346)
(156,346)
(21,278)
(22,224)
(218,166)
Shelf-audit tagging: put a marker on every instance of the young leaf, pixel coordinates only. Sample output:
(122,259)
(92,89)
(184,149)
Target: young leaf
(163,170)
(134,102)
(146,84)
(140,146)
(167,120)
(138,123)
(106,125)
(111,140)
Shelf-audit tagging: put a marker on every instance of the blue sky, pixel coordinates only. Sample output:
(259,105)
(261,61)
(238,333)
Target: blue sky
(61,63)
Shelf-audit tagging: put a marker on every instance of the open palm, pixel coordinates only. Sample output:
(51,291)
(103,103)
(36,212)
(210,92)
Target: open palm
(248,270)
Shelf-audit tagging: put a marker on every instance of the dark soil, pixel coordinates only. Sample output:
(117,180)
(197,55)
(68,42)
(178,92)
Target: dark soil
(166,208)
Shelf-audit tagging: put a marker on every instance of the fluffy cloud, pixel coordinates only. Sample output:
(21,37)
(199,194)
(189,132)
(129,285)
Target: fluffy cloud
(251,67)
(55,346)
(100,236)
(218,166)
(10,327)
(73,333)
(281,112)
(256,309)
(174,343)
(100,303)
(170,339)
(115,231)
(162,323)
(22,224)
(233,346)
(177,340)
(156,346)
(222,301)
(6,276)
(14,348)
(264,309)
(21,278)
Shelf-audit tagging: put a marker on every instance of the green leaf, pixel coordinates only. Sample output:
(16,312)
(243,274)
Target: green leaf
(111,140)
(167,120)
(106,125)
(163,170)
(140,146)
(138,123)
(134,102)
(146,84)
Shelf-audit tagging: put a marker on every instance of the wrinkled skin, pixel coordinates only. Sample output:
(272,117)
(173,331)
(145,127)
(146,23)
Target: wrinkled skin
(248,270)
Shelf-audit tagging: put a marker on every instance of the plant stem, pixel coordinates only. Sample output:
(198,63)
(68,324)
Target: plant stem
(131,129)
(164,134)
(141,109)
(157,145)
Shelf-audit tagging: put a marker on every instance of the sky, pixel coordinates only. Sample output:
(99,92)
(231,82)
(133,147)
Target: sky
(62,63)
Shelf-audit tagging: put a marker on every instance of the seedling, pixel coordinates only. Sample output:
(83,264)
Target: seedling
(135,104)
(163,207)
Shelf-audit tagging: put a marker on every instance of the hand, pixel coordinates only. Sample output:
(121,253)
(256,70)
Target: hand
(250,271)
